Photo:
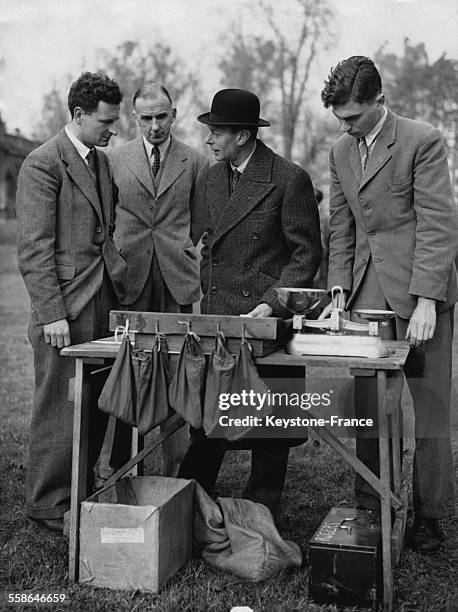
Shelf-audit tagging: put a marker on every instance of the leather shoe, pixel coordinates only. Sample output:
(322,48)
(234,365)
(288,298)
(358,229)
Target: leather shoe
(427,535)
(56,524)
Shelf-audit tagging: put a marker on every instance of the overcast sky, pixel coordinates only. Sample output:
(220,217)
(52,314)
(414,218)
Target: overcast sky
(43,40)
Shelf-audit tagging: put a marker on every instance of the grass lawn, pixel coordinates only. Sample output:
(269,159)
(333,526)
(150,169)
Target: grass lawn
(31,559)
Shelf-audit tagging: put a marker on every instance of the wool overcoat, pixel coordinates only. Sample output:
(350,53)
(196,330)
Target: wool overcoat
(265,234)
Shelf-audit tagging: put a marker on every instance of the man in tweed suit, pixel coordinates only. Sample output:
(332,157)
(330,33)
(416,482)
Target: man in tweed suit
(155,176)
(393,227)
(67,256)
(262,231)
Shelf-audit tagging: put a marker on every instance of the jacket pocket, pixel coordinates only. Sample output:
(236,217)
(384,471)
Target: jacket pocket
(65,271)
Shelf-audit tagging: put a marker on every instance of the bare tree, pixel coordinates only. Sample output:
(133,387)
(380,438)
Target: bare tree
(424,90)
(280,60)
(130,65)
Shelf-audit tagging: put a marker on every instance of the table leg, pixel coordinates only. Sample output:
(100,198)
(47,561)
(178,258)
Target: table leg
(384,452)
(79,464)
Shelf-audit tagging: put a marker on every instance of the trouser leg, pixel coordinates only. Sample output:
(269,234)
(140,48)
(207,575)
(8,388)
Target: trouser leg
(203,459)
(50,447)
(268,472)
(429,370)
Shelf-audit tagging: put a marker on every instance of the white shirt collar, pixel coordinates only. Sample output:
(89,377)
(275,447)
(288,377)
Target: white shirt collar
(82,149)
(372,135)
(244,164)
(162,147)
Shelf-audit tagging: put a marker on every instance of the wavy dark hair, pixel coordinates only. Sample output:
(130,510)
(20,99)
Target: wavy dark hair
(355,78)
(90,89)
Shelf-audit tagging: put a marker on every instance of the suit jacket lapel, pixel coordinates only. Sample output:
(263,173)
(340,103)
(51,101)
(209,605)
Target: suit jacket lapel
(253,186)
(174,167)
(381,153)
(138,164)
(79,172)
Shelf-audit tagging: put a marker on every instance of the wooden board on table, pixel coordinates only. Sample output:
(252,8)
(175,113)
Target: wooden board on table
(265,334)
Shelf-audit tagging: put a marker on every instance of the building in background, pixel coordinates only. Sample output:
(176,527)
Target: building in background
(13,150)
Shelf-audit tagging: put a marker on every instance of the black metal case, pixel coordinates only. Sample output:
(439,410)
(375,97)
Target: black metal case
(345,559)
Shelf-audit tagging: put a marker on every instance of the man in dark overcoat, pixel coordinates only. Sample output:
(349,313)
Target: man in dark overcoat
(70,265)
(261,230)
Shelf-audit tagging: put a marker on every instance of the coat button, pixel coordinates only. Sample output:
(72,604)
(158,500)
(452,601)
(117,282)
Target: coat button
(255,236)
(213,289)
(98,229)
(246,293)
(148,251)
(246,266)
(372,234)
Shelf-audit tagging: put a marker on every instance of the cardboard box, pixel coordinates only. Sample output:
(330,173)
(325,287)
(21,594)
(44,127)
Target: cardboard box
(345,559)
(137,534)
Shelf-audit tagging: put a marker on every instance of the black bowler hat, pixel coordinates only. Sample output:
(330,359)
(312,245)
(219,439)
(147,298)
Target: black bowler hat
(234,107)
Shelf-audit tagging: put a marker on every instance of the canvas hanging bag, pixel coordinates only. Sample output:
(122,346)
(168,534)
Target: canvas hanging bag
(152,387)
(245,378)
(220,372)
(118,396)
(186,391)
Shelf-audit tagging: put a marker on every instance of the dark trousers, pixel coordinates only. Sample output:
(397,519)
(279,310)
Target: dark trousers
(269,457)
(428,373)
(50,447)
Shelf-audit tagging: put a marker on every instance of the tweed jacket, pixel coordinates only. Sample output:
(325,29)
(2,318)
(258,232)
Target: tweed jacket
(400,213)
(65,230)
(148,222)
(265,235)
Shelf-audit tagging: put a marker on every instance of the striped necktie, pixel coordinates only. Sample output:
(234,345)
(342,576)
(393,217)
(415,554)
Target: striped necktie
(156,155)
(363,152)
(235,179)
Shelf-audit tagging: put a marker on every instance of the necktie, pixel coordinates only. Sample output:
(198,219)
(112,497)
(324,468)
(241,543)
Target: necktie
(156,155)
(235,178)
(364,152)
(90,157)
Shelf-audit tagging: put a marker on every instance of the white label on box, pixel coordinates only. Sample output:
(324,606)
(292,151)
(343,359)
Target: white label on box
(125,535)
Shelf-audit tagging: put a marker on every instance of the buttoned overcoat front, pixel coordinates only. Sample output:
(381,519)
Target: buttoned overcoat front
(265,234)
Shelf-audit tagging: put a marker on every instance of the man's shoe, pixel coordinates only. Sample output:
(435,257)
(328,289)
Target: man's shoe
(427,535)
(56,524)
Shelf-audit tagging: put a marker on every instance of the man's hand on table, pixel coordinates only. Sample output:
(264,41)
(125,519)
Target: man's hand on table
(261,310)
(422,324)
(57,333)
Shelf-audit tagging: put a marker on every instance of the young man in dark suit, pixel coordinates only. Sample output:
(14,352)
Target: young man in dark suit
(69,264)
(393,239)
(261,230)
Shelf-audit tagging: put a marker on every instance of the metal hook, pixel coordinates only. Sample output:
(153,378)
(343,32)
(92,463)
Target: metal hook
(122,328)
(157,326)
(218,326)
(188,325)
(243,332)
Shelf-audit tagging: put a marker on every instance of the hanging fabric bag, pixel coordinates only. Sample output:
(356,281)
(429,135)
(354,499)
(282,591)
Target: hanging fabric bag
(186,391)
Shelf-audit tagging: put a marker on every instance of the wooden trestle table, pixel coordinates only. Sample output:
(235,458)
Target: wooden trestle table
(389,375)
